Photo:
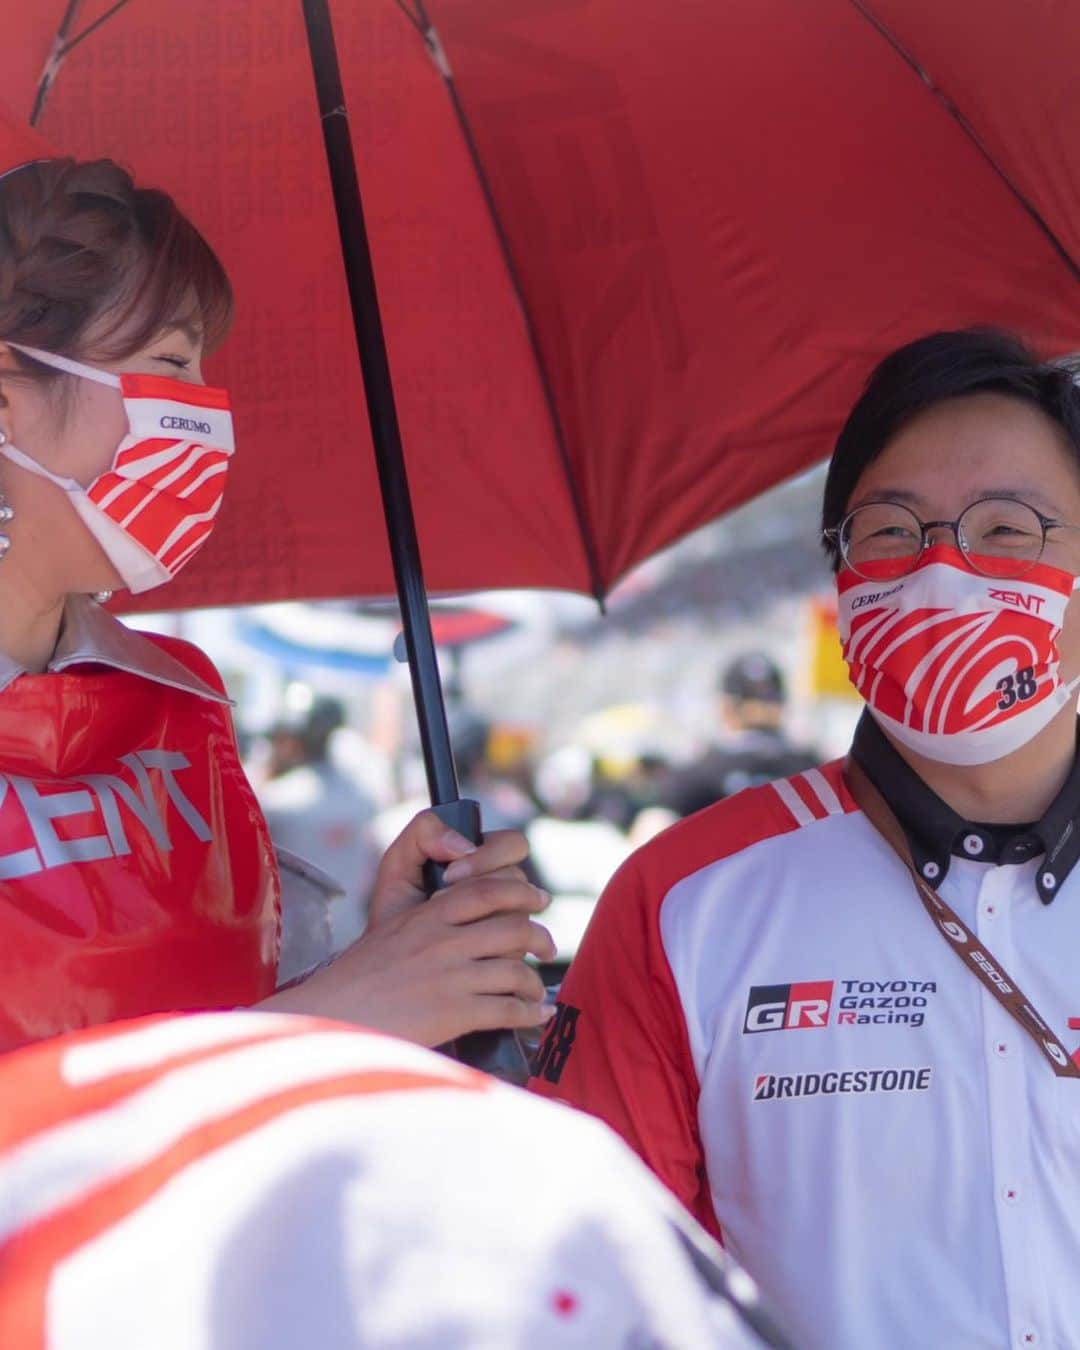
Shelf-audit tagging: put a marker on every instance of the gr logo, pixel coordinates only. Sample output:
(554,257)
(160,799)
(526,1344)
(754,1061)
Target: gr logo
(788,1007)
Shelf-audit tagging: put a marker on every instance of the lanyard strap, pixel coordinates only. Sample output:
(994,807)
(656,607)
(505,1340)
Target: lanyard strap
(975,955)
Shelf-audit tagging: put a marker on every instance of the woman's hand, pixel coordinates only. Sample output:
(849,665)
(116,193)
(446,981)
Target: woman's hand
(430,970)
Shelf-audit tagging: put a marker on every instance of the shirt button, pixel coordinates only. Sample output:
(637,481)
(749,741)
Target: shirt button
(1048,880)
(1028,1337)
(1011,1195)
(931,871)
(989,910)
(1001,1048)
(973,845)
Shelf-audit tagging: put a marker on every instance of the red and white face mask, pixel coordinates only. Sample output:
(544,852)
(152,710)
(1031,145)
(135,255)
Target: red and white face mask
(155,506)
(959,667)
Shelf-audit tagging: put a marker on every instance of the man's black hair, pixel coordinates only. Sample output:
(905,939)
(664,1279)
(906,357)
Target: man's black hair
(929,371)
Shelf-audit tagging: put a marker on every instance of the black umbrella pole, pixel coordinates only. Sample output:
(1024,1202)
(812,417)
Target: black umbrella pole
(497,1052)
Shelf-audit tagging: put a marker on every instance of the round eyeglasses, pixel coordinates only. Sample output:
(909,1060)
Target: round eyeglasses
(998,536)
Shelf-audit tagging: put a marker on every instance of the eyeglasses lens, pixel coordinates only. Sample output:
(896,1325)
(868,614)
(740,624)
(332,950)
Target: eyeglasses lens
(881,540)
(1000,537)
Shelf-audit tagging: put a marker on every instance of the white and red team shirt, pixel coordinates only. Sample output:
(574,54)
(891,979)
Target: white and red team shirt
(260,1182)
(764,1010)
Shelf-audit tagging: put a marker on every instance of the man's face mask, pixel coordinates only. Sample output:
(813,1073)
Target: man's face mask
(154,508)
(958,667)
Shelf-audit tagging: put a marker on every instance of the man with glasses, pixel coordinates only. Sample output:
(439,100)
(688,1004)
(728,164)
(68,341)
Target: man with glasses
(839,1014)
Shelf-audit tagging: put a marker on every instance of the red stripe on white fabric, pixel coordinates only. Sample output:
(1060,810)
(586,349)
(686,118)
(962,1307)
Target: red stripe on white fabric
(808,796)
(29,1259)
(141,459)
(43,1096)
(33,1180)
(181,553)
(176,557)
(185,532)
(794,803)
(819,785)
(164,388)
(160,1045)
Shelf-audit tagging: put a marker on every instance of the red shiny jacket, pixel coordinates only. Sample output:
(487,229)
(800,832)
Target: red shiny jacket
(136,870)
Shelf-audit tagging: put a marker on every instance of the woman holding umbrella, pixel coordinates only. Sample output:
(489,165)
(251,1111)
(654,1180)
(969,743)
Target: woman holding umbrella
(136,871)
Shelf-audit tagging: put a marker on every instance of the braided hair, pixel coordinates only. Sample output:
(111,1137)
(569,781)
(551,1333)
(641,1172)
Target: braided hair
(93,267)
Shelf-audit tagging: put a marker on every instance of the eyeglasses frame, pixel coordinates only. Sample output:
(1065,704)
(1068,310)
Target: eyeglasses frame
(835,534)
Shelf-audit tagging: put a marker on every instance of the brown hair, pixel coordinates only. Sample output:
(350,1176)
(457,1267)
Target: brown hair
(87,258)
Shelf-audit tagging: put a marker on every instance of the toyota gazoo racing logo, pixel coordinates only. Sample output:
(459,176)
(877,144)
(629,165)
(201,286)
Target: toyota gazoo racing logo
(883,1002)
(788,1007)
(847,1003)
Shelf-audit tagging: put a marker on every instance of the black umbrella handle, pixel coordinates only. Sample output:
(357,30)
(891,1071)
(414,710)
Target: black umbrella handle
(496,1052)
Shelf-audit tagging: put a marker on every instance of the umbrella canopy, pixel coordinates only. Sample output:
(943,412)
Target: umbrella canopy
(634,262)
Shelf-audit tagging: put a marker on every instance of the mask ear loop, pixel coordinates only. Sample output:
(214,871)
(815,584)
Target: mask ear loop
(70,367)
(7,514)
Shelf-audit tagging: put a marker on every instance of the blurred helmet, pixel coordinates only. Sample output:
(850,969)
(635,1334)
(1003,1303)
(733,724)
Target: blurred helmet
(753,676)
(312,718)
(469,738)
(563,780)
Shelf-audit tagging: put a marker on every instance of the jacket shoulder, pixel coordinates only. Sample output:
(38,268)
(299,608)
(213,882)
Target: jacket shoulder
(739,822)
(192,658)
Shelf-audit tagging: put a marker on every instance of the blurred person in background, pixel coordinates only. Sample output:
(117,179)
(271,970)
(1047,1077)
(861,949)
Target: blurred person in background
(573,847)
(503,804)
(322,813)
(756,748)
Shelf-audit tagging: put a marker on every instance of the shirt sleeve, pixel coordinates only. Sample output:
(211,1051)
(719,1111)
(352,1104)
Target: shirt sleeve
(618,1046)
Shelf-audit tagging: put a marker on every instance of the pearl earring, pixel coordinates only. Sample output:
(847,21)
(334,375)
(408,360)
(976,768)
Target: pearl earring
(7,513)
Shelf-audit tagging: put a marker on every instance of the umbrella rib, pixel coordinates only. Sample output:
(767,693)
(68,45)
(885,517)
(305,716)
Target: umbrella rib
(969,131)
(412,18)
(62,47)
(438,55)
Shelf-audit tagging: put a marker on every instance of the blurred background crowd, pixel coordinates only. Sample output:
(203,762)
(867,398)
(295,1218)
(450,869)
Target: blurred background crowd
(715,667)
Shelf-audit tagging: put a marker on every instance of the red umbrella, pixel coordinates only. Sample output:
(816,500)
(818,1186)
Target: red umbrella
(635,258)
(633,264)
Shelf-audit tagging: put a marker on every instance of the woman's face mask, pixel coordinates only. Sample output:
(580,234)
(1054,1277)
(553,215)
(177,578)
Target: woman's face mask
(155,506)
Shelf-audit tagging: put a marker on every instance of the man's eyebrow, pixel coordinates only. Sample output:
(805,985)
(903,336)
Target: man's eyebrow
(901,495)
(1029,496)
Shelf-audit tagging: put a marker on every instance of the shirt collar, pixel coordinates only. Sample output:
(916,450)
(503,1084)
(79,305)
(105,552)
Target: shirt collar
(90,635)
(936,834)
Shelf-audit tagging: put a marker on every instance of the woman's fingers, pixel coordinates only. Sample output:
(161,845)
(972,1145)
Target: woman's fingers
(500,975)
(399,883)
(469,901)
(513,935)
(494,1012)
(501,848)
